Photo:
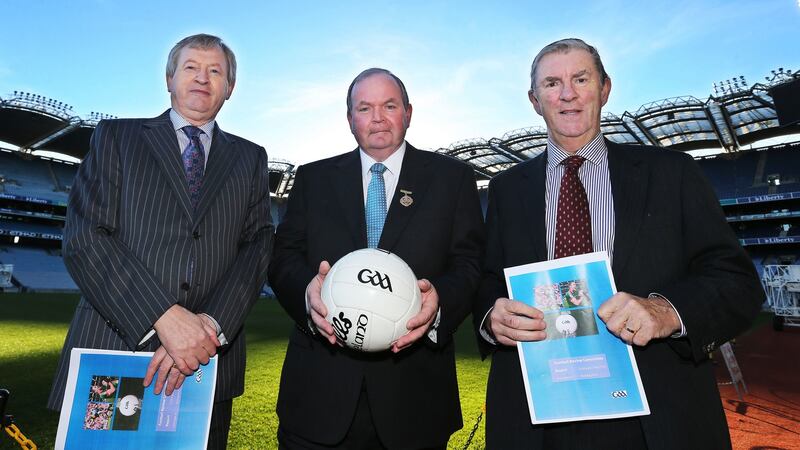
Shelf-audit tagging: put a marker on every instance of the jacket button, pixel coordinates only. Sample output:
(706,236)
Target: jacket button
(185,286)
(196,235)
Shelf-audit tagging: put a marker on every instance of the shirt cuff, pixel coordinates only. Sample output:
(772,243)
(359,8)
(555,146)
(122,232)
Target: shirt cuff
(147,336)
(680,334)
(482,329)
(309,322)
(220,334)
(433,332)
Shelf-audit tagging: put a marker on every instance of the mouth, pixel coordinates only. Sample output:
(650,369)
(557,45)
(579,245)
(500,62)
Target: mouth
(200,92)
(570,112)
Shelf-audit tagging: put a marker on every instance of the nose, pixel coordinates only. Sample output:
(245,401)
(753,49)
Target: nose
(568,92)
(377,115)
(202,76)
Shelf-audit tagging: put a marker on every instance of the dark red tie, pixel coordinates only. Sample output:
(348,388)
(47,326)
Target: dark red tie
(573,221)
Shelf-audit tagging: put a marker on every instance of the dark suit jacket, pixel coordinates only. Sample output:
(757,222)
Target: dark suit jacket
(671,238)
(131,236)
(413,395)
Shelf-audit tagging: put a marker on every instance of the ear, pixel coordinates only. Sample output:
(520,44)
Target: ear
(350,121)
(605,91)
(230,90)
(408,115)
(169,83)
(535,101)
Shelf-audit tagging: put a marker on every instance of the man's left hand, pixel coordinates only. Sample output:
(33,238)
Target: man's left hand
(168,375)
(638,320)
(419,324)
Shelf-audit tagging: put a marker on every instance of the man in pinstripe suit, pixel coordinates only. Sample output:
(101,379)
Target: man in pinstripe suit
(168,234)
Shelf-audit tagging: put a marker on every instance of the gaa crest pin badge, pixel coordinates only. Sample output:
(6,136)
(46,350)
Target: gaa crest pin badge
(406,199)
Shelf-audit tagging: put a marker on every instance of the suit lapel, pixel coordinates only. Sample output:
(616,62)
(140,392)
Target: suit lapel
(629,187)
(222,157)
(532,197)
(415,177)
(163,144)
(346,183)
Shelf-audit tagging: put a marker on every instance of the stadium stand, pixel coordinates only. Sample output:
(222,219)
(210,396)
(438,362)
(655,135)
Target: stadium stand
(38,269)
(754,172)
(28,176)
(759,188)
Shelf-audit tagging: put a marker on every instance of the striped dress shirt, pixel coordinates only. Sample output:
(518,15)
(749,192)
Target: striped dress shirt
(596,181)
(178,122)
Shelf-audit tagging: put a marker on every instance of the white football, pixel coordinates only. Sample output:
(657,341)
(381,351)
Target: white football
(370,295)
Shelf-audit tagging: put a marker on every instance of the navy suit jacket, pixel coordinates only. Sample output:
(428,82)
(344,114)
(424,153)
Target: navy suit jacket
(671,237)
(413,395)
(135,247)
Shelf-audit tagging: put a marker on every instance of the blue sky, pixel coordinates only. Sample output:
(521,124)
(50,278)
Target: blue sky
(465,63)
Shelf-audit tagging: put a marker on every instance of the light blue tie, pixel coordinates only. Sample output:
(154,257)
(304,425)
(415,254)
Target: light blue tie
(376,205)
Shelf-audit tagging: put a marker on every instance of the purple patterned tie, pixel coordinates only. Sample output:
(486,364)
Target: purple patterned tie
(193,162)
(573,220)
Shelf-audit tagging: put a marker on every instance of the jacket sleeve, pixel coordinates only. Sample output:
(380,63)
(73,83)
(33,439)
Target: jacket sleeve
(234,295)
(114,281)
(456,286)
(492,285)
(719,294)
(289,273)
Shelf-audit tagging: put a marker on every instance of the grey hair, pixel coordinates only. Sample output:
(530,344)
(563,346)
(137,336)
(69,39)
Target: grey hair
(564,46)
(376,71)
(202,42)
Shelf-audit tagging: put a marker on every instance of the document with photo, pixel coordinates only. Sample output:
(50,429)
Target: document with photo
(580,371)
(107,406)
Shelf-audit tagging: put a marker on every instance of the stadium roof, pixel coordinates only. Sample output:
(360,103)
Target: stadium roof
(33,122)
(734,116)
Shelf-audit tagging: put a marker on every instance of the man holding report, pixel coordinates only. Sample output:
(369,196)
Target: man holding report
(168,235)
(685,286)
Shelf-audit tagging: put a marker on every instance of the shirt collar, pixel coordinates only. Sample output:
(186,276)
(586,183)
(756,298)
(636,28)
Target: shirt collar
(595,151)
(178,122)
(393,163)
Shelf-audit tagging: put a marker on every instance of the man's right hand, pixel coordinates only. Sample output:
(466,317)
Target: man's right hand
(186,338)
(316,308)
(512,321)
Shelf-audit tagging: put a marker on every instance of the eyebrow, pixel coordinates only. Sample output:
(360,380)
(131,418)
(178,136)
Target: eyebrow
(578,74)
(194,61)
(390,100)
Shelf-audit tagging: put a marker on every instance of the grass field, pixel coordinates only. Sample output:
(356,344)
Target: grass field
(32,330)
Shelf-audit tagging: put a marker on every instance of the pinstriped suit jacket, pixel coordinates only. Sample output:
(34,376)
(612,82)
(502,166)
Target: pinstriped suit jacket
(134,245)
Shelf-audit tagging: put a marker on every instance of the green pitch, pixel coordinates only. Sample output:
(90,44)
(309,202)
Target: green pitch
(33,326)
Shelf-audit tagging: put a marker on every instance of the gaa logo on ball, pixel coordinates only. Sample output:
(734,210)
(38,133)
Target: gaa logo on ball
(370,295)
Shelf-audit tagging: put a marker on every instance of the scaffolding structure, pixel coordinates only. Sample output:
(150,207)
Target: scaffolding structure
(782,285)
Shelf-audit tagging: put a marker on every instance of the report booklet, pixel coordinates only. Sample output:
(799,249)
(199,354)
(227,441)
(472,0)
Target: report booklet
(580,371)
(106,405)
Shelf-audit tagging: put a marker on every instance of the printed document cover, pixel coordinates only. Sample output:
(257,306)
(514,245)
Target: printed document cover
(106,405)
(580,371)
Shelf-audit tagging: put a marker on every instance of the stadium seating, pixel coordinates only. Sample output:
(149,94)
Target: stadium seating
(27,227)
(38,269)
(749,172)
(64,173)
(33,178)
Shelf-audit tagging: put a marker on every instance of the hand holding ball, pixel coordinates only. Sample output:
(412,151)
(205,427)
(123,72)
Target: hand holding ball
(370,295)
